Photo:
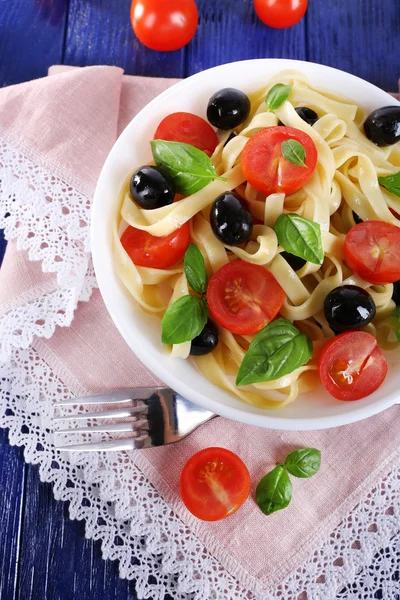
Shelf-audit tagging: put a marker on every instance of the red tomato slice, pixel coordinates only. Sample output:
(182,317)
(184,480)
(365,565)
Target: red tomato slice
(265,167)
(243,297)
(147,250)
(280,13)
(189,129)
(164,24)
(372,251)
(352,366)
(215,482)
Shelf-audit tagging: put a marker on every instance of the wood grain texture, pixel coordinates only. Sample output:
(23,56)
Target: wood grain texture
(99,32)
(56,561)
(31,38)
(230,30)
(358,36)
(12,483)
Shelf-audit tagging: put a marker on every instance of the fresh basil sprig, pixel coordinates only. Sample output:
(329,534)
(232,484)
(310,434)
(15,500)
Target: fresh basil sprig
(277,95)
(195,269)
(187,316)
(303,463)
(274,492)
(184,320)
(275,351)
(391,183)
(300,237)
(294,152)
(396,322)
(190,168)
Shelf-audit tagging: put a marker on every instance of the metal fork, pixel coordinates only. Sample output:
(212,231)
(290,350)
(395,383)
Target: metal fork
(160,416)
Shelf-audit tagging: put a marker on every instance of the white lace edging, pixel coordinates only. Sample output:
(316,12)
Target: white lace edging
(50,220)
(137,527)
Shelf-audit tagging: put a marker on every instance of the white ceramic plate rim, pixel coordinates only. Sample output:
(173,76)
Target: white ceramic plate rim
(111,288)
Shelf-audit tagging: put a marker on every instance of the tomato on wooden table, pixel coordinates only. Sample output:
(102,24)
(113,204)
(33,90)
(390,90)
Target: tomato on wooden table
(352,366)
(164,24)
(280,13)
(372,251)
(215,482)
(265,167)
(146,250)
(243,297)
(189,129)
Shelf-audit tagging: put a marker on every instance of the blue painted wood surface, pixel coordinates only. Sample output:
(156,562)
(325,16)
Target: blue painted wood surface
(43,555)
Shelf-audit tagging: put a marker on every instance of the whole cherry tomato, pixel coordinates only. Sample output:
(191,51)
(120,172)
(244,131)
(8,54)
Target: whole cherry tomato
(164,24)
(280,13)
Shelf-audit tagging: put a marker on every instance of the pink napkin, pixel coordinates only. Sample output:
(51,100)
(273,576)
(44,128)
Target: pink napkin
(67,124)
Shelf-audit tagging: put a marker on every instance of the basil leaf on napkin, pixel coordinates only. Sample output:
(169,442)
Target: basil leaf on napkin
(274,491)
(391,183)
(275,351)
(294,152)
(300,237)
(303,463)
(184,320)
(277,95)
(195,269)
(189,168)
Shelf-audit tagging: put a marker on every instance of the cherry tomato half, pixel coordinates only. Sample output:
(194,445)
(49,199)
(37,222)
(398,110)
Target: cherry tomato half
(164,24)
(352,366)
(372,251)
(280,13)
(215,482)
(243,297)
(189,129)
(147,250)
(265,167)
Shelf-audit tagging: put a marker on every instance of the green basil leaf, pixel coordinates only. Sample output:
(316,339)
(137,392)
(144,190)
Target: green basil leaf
(190,168)
(303,463)
(294,152)
(391,183)
(183,320)
(300,237)
(195,269)
(274,491)
(277,95)
(395,321)
(275,351)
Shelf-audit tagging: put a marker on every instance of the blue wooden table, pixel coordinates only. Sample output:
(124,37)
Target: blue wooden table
(43,555)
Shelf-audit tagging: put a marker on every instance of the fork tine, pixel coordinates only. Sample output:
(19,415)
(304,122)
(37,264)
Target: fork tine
(129,411)
(132,426)
(131,444)
(111,397)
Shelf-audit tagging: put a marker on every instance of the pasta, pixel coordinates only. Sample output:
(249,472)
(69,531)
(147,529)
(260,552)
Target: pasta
(345,180)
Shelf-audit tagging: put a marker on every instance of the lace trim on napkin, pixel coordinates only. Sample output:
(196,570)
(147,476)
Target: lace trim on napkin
(50,220)
(137,527)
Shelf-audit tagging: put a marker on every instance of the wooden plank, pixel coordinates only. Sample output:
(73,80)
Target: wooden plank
(31,38)
(230,30)
(12,477)
(358,36)
(100,33)
(56,561)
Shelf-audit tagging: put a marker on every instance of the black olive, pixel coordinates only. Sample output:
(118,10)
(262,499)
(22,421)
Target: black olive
(349,307)
(383,126)
(231,137)
(294,261)
(228,108)
(307,114)
(230,219)
(150,188)
(357,219)
(396,293)
(206,341)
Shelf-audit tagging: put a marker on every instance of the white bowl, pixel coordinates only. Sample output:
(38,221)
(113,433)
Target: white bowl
(315,410)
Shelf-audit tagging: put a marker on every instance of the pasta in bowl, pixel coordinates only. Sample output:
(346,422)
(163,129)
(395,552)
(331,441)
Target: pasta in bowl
(248,268)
